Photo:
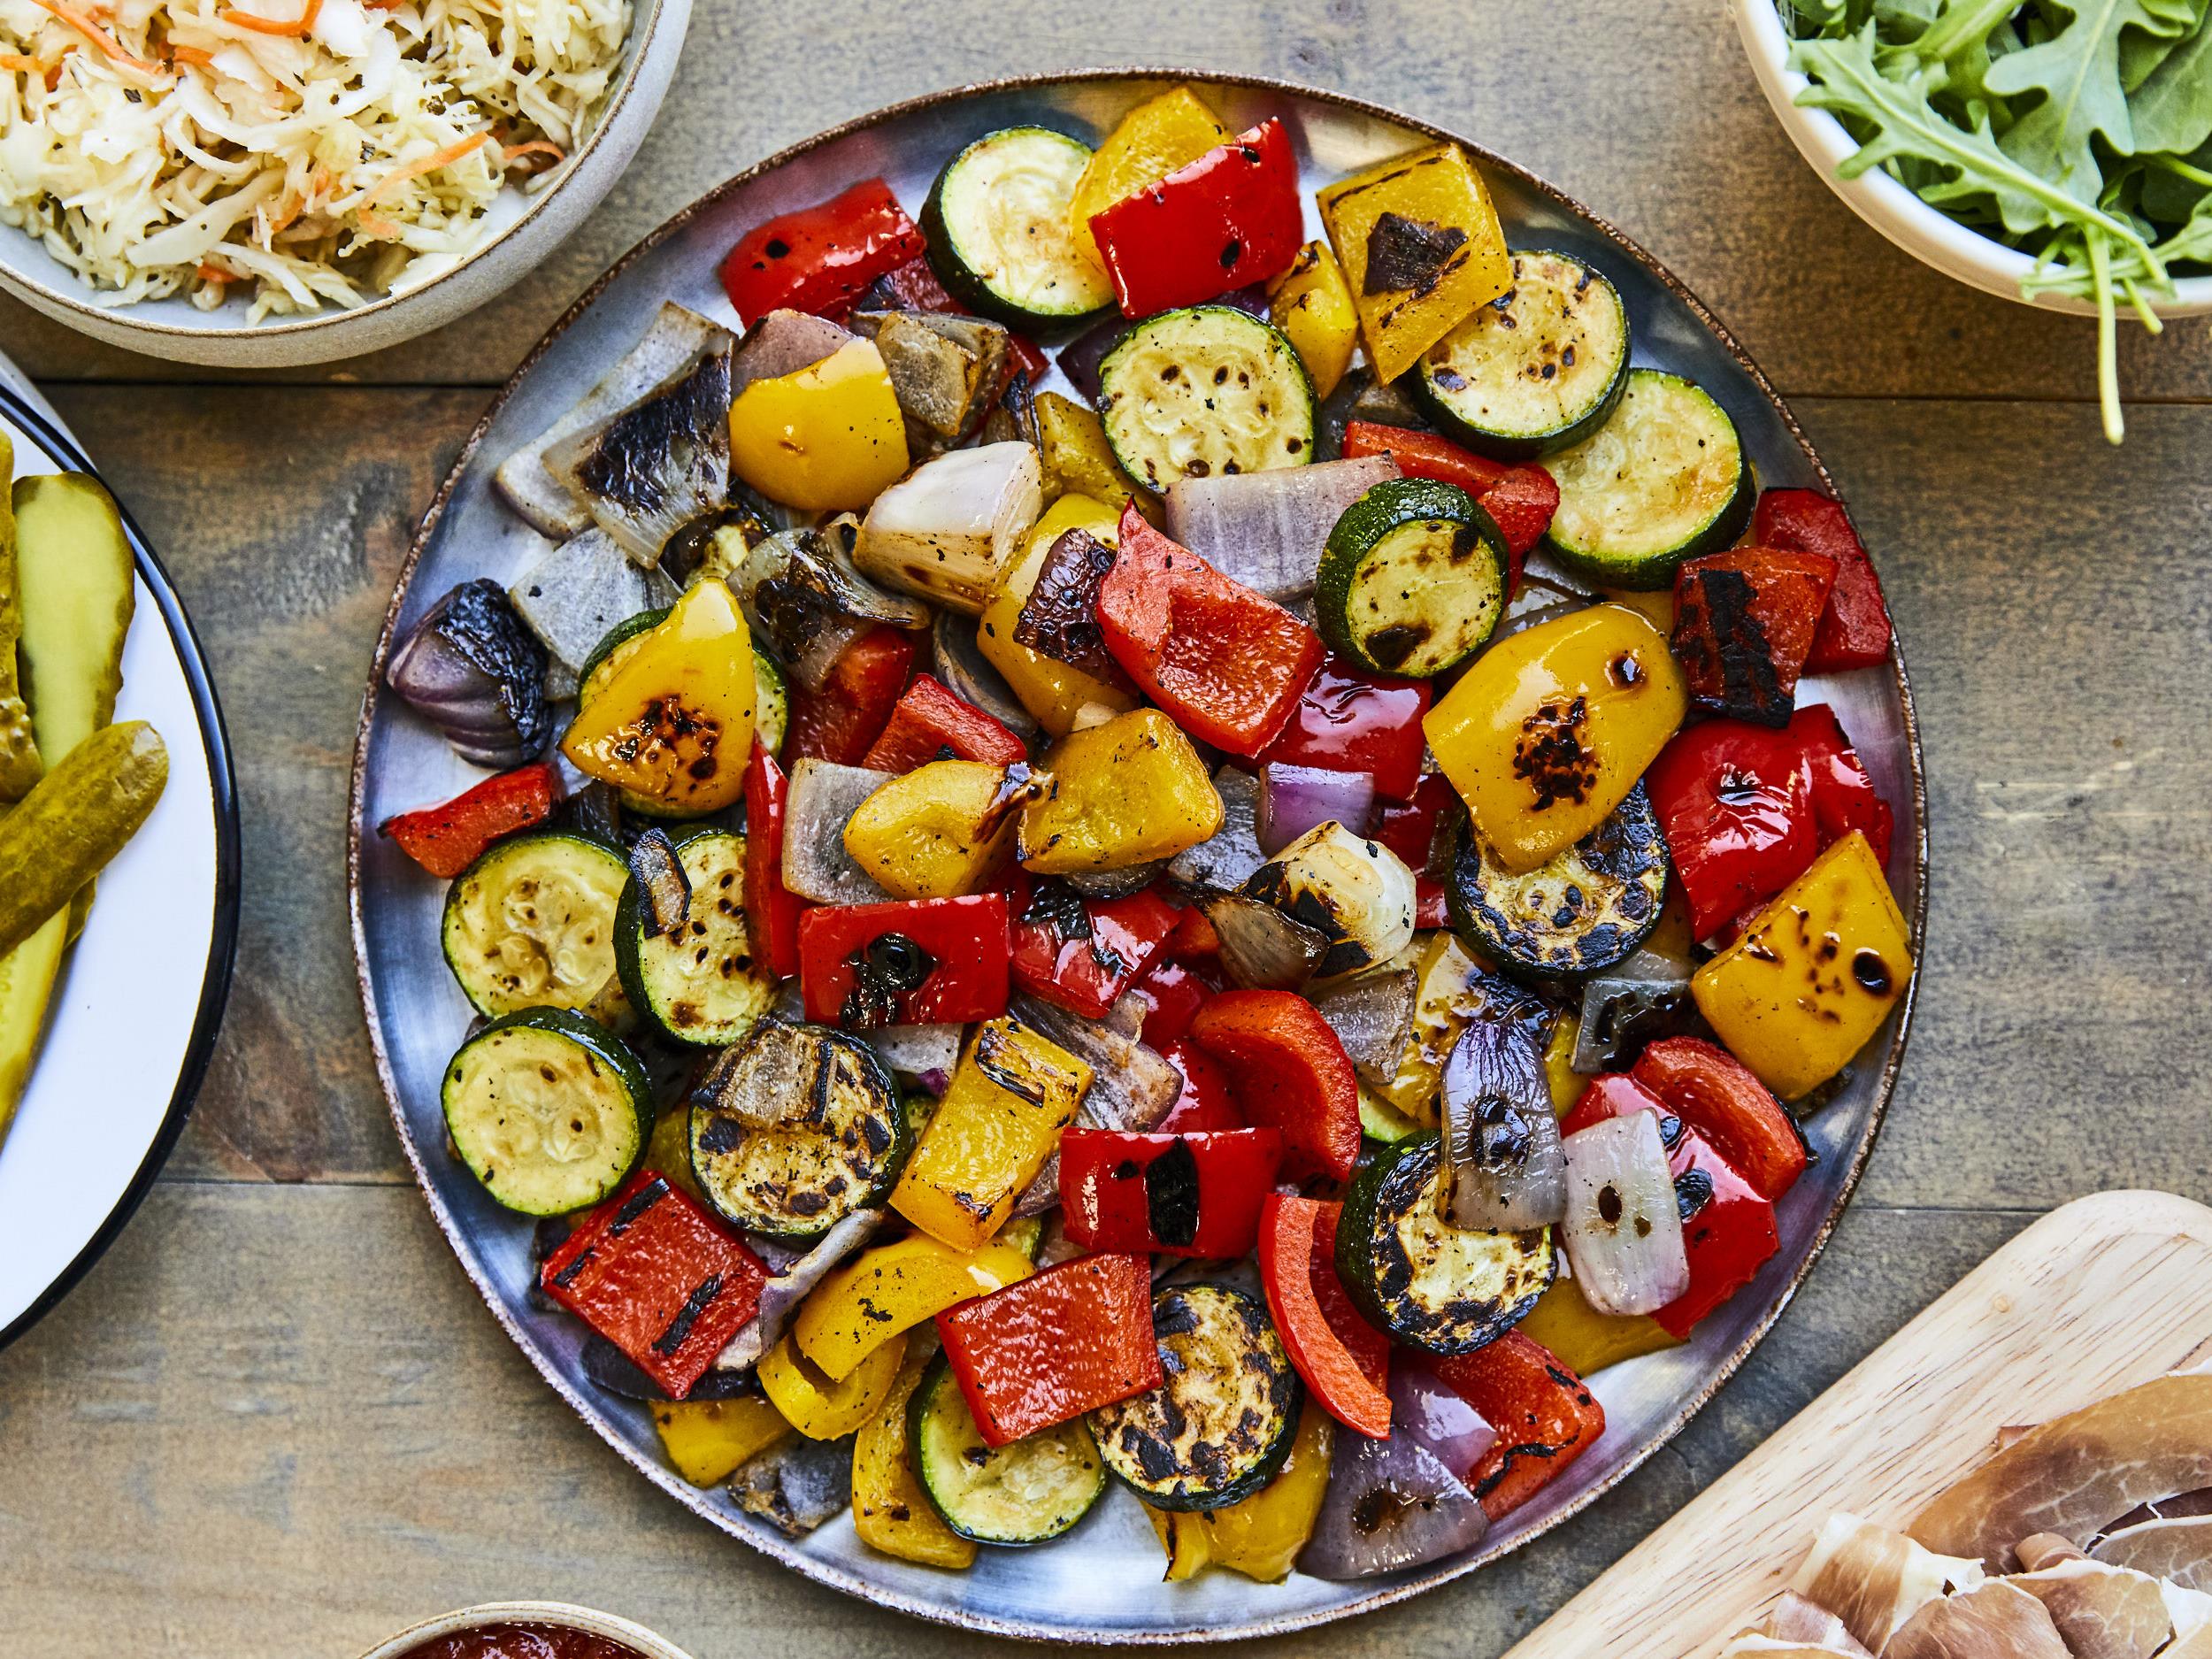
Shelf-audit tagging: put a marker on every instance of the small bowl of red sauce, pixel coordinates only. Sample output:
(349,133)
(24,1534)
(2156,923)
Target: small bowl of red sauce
(526,1630)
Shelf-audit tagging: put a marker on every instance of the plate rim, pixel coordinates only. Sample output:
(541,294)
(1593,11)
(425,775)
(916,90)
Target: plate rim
(222,950)
(785,1551)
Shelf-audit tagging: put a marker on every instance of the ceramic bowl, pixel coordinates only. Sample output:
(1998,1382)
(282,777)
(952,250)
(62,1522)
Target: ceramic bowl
(1931,236)
(528,229)
(557,1614)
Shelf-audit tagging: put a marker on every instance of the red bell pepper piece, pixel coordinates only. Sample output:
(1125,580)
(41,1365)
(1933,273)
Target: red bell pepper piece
(1167,1195)
(1044,1351)
(1728,1227)
(1288,1070)
(1083,953)
(930,723)
(1844,797)
(914,286)
(1735,801)
(1170,994)
(1231,218)
(1408,828)
(1522,499)
(771,909)
(820,258)
(1193,938)
(447,839)
(1546,1418)
(1207,1103)
(945,962)
(1714,1093)
(659,1278)
(1743,621)
(1854,628)
(1343,1359)
(1351,721)
(842,720)
(1431,906)
(1228,664)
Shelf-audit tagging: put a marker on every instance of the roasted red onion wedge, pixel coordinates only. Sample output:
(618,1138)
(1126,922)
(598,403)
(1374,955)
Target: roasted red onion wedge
(1390,1504)
(1422,1405)
(1296,799)
(2101,1612)
(1501,1134)
(1875,1580)
(1997,1621)
(2179,1549)
(1623,1222)
(1267,529)
(2078,1472)
(1371,1014)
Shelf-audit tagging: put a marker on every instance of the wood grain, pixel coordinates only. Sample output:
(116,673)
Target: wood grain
(2034,1332)
(1650,115)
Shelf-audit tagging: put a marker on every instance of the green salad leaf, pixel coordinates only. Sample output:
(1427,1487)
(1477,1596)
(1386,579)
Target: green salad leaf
(2076,76)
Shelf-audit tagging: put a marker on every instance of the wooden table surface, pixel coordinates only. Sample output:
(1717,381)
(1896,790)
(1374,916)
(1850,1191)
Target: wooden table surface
(275,1423)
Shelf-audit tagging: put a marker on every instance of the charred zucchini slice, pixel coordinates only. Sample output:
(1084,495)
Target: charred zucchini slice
(796,1129)
(697,980)
(1580,913)
(1205,390)
(1220,1427)
(1000,234)
(1664,479)
(550,1110)
(531,925)
(1413,579)
(1025,1493)
(1450,1290)
(1537,370)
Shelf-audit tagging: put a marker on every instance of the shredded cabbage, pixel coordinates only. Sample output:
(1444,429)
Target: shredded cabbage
(314,152)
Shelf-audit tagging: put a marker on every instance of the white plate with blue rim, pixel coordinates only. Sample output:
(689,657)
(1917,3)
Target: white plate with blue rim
(135,1011)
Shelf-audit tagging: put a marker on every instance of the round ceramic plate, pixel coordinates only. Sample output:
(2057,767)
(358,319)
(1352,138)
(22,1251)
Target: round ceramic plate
(105,1105)
(1103,1582)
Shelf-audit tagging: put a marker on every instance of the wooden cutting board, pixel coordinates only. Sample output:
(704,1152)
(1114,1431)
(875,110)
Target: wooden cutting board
(2107,1292)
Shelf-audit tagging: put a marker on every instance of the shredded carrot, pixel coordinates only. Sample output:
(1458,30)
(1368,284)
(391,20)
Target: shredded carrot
(98,36)
(296,29)
(539,147)
(376,224)
(214,273)
(16,60)
(291,209)
(190,54)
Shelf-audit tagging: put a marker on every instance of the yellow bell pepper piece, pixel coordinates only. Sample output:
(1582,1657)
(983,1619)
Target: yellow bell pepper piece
(669,1150)
(1154,139)
(1078,461)
(825,438)
(1124,793)
(1426,217)
(829,1407)
(1048,688)
(1312,304)
(674,724)
(891,1512)
(709,1440)
(889,1290)
(1261,1536)
(1548,732)
(1451,992)
(1010,1096)
(1586,1341)
(1565,1082)
(1815,977)
(930,834)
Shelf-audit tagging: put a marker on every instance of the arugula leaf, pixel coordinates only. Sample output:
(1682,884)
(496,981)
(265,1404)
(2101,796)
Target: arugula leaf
(2078,72)
(2172,109)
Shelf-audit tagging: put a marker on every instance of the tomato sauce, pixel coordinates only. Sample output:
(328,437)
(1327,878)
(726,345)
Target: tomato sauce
(521,1641)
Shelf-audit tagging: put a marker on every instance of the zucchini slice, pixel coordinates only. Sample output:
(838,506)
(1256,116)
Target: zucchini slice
(1537,370)
(1450,1290)
(1025,1493)
(1000,234)
(1583,911)
(796,1129)
(1413,579)
(1664,479)
(550,1110)
(1220,1427)
(531,925)
(697,983)
(1201,391)
(614,648)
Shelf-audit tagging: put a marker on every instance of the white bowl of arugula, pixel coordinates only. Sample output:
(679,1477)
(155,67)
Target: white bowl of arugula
(2054,157)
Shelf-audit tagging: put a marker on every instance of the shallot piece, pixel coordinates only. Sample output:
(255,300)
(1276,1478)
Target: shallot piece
(1873,1579)
(1623,1223)
(474,670)
(1390,1504)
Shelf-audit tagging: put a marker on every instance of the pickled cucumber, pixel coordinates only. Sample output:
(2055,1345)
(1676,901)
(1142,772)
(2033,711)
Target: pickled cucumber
(77,817)
(18,750)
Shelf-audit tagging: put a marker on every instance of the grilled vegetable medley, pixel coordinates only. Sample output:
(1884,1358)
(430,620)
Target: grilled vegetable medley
(1229,907)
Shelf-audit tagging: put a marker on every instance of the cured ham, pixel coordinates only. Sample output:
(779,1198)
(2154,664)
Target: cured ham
(1874,1582)
(2180,1549)
(2101,1612)
(1998,1620)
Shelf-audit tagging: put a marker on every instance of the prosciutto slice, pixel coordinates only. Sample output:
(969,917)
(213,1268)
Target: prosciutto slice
(2180,1549)
(2101,1612)
(1874,1580)
(1998,1620)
